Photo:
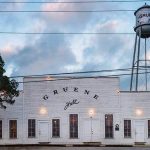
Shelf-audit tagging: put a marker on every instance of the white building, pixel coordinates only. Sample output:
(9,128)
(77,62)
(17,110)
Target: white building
(76,111)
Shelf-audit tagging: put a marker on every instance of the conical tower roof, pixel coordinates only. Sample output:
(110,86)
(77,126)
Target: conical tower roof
(142,7)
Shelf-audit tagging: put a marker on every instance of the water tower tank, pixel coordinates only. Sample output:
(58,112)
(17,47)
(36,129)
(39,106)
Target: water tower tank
(143,21)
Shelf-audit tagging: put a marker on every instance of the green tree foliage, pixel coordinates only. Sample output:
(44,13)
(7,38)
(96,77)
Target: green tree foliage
(8,88)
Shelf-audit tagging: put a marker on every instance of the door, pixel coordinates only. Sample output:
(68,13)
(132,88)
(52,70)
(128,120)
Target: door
(139,131)
(44,131)
(91,130)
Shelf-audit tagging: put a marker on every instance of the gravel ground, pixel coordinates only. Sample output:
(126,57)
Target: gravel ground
(71,148)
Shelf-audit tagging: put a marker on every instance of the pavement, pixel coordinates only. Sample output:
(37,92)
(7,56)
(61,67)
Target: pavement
(70,148)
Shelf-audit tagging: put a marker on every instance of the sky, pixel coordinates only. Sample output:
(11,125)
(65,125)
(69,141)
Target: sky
(57,53)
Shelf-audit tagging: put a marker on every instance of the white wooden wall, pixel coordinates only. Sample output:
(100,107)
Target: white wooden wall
(121,104)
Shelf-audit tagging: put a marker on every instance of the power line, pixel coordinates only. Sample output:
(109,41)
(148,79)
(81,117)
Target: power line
(79,72)
(73,73)
(69,78)
(70,73)
(90,33)
(66,11)
(59,76)
(88,1)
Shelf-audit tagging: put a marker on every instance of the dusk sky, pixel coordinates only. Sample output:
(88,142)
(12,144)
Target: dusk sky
(42,54)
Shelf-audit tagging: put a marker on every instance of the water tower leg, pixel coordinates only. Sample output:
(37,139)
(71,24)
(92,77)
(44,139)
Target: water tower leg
(138,55)
(145,66)
(131,82)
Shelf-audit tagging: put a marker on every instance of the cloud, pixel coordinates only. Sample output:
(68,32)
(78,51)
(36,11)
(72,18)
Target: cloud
(39,54)
(66,21)
(39,25)
(11,48)
(8,49)
(60,17)
(12,6)
(48,54)
(101,51)
(9,70)
(148,55)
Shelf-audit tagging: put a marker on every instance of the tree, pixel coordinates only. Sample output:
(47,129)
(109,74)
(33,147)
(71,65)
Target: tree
(8,88)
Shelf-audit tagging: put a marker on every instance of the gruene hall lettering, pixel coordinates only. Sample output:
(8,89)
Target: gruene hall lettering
(68,104)
(71,89)
(74,89)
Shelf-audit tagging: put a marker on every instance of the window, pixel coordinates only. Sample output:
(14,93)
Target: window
(148,128)
(108,126)
(56,128)
(31,128)
(73,125)
(0,129)
(12,129)
(127,128)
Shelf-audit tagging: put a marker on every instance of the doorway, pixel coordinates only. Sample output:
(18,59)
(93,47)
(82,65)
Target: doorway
(139,131)
(91,130)
(43,130)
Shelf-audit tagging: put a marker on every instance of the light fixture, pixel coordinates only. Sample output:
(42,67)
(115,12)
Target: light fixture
(43,110)
(49,78)
(118,91)
(91,112)
(139,112)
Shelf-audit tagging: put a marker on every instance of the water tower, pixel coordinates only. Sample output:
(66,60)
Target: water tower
(139,64)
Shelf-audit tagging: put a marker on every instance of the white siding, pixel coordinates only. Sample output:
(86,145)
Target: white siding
(13,112)
(107,102)
(121,104)
(130,102)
